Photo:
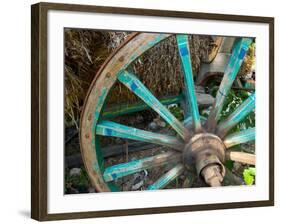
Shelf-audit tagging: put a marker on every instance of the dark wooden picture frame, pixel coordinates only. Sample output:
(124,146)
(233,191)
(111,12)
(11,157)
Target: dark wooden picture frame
(39,193)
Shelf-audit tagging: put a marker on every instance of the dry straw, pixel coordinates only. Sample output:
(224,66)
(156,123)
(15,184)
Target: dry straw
(159,68)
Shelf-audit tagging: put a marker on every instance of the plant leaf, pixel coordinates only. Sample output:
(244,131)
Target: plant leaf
(249,175)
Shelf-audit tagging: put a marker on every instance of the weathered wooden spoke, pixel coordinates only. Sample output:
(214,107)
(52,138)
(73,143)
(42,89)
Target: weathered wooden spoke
(238,115)
(183,47)
(137,87)
(117,171)
(240,49)
(109,128)
(167,178)
(188,121)
(241,157)
(240,137)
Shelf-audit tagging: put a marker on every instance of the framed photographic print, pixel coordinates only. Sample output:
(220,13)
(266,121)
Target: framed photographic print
(138,111)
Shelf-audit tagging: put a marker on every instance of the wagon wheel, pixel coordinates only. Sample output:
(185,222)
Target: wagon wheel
(201,143)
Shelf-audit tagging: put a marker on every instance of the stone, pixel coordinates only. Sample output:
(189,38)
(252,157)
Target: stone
(75,172)
(159,122)
(92,190)
(138,179)
(236,166)
(153,126)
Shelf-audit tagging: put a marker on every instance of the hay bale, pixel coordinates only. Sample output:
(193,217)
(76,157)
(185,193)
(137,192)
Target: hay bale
(159,68)
(85,51)
(248,62)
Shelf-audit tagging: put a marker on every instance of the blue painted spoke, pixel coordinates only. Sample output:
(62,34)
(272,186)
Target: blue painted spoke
(108,128)
(117,171)
(190,93)
(167,178)
(239,51)
(240,137)
(136,86)
(238,115)
(188,121)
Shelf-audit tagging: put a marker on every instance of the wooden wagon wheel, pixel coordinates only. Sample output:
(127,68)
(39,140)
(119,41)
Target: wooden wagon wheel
(202,143)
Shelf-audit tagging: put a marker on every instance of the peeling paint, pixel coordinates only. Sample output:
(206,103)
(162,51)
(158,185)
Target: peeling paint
(142,92)
(167,178)
(123,169)
(109,128)
(238,53)
(240,137)
(183,46)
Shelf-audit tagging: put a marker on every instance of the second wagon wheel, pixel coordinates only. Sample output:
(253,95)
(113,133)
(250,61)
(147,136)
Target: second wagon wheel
(198,142)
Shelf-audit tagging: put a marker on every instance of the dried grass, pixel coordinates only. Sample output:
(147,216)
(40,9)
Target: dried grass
(85,51)
(159,68)
(248,62)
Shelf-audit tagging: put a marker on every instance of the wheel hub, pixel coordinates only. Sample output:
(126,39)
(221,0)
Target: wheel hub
(206,152)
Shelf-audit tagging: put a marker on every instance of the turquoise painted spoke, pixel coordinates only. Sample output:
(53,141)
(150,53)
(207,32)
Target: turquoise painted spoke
(239,51)
(167,178)
(190,93)
(136,86)
(108,128)
(117,171)
(240,137)
(238,115)
(188,121)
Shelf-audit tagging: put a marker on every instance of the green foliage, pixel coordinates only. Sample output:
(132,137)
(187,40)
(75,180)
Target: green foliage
(177,112)
(232,101)
(249,175)
(229,164)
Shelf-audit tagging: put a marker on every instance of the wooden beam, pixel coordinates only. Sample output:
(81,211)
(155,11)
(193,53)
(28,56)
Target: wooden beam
(241,157)
(118,110)
(75,160)
(203,100)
